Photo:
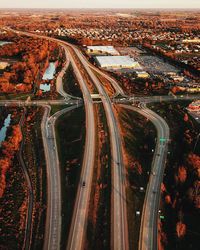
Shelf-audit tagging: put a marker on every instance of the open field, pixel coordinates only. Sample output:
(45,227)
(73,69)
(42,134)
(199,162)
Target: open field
(70,83)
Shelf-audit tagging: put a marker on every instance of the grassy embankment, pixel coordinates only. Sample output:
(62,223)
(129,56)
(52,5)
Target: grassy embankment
(34,158)
(107,85)
(56,108)
(70,135)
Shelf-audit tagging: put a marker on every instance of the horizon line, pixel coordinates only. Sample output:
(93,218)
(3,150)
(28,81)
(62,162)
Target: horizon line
(108,8)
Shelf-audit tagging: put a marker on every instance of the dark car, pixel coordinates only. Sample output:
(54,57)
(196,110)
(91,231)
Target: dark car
(83,184)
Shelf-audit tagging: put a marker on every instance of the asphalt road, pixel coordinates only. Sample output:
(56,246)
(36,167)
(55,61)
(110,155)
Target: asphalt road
(118,89)
(119,221)
(39,103)
(151,99)
(146,100)
(123,100)
(53,220)
(79,219)
(119,231)
(114,83)
(149,221)
(59,80)
(148,233)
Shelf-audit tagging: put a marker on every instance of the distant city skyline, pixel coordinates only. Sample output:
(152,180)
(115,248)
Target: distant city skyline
(100,4)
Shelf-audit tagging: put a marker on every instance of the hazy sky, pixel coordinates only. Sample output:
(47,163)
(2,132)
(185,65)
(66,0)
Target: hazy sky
(99,3)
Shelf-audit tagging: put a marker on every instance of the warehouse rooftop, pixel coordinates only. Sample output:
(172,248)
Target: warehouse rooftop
(102,50)
(117,62)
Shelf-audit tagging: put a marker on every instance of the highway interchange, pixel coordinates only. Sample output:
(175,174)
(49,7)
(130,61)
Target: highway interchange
(119,228)
(119,221)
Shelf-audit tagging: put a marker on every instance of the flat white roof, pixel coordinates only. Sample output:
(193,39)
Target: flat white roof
(107,49)
(141,72)
(117,61)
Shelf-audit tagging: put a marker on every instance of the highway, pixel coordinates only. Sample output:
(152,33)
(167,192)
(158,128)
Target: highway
(119,220)
(123,100)
(79,219)
(53,219)
(149,221)
(59,80)
(114,83)
(150,194)
(151,99)
(39,102)
(119,231)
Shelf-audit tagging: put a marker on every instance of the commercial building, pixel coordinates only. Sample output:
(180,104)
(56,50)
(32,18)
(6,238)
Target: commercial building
(102,50)
(142,74)
(117,62)
(195,40)
(3,65)
(194,106)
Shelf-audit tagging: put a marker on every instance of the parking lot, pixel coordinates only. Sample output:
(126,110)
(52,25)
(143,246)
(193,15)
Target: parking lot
(154,64)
